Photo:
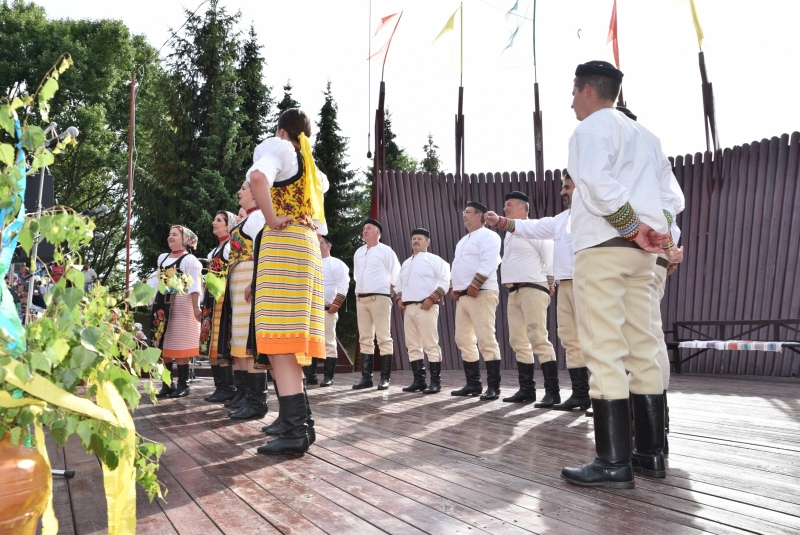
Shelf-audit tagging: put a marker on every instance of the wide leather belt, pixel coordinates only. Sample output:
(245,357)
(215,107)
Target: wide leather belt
(663,262)
(371,295)
(406,303)
(618,242)
(514,286)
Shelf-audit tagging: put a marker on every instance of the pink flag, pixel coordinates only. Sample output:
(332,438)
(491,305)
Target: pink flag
(383,37)
(612,33)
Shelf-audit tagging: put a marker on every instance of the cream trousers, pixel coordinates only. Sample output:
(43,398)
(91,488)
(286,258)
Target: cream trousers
(527,324)
(659,285)
(568,326)
(422,332)
(475,325)
(613,299)
(374,319)
(330,334)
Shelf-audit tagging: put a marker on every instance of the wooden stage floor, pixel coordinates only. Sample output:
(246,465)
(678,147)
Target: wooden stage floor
(396,462)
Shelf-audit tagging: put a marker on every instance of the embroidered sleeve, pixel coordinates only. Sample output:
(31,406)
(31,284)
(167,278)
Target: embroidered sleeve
(625,221)
(478,281)
(506,224)
(337,302)
(437,295)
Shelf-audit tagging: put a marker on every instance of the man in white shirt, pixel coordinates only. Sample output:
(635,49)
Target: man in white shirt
(375,270)
(337,282)
(89,278)
(617,225)
(473,285)
(559,229)
(420,287)
(527,274)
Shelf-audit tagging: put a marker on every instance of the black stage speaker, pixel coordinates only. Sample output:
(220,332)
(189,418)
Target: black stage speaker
(46,249)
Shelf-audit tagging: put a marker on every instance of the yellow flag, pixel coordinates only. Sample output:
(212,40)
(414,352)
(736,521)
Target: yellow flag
(449,26)
(697,27)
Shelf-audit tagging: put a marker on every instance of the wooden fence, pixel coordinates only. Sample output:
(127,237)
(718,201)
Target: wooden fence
(740,230)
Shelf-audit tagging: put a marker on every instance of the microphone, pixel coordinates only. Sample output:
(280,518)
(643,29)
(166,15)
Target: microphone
(102,209)
(52,143)
(99,235)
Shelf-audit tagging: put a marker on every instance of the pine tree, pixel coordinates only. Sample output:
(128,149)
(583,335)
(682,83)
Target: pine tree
(202,132)
(431,163)
(288,101)
(397,158)
(257,101)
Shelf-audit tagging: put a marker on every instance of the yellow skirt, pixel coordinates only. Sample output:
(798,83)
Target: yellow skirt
(240,277)
(290,294)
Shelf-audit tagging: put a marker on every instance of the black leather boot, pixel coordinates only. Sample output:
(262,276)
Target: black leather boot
(227,391)
(612,435)
(386,371)
(648,434)
(436,378)
(182,388)
(367,361)
(312,433)
(310,372)
(472,370)
(492,381)
(330,370)
(166,389)
(293,439)
(240,384)
(551,391)
(666,424)
(217,380)
(256,399)
(275,427)
(418,367)
(580,391)
(527,386)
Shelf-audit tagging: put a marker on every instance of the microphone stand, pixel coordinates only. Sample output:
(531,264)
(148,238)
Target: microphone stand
(35,250)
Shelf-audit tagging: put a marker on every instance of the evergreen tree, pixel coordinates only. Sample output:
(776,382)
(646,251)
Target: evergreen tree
(342,199)
(201,138)
(256,97)
(397,158)
(288,101)
(431,163)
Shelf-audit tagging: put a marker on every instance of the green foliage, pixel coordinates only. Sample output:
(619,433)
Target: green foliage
(287,102)
(431,163)
(344,199)
(397,158)
(81,340)
(200,132)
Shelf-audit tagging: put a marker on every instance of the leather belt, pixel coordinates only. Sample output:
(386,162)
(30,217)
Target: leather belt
(618,242)
(327,307)
(514,286)
(565,280)
(371,295)
(460,293)
(663,262)
(406,303)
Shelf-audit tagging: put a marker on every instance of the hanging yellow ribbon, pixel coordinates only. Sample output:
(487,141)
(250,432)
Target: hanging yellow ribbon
(119,484)
(312,188)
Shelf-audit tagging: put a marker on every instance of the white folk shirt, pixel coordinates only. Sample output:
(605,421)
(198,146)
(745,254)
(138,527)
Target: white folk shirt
(375,269)
(612,162)
(190,265)
(558,229)
(421,275)
(525,259)
(477,252)
(225,252)
(337,278)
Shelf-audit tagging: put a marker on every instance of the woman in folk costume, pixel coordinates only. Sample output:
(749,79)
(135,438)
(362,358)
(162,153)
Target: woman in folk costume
(221,369)
(289,304)
(175,316)
(250,379)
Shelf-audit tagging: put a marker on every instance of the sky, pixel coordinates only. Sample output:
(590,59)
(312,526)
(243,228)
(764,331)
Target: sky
(312,42)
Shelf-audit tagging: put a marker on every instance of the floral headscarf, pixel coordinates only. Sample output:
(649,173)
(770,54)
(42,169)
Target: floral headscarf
(233,220)
(189,237)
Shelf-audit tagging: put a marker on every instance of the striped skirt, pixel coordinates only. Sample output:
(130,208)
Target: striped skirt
(240,277)
(214,351)
(290,295)
(182,339)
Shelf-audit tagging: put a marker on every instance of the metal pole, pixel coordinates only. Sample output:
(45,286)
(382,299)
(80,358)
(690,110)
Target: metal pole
(130,187)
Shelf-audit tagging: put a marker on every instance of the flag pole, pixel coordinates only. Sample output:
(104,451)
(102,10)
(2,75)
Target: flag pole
(538,131)
(460,114)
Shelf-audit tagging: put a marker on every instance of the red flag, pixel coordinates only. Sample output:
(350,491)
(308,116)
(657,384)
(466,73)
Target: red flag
(612,33)
(383,37)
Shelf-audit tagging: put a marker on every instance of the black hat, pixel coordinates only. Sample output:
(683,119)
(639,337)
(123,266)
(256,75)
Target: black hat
(478,206)
(375,222)
(516,195)
(600,68)
(628,113)
(422,231)
(326,238)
